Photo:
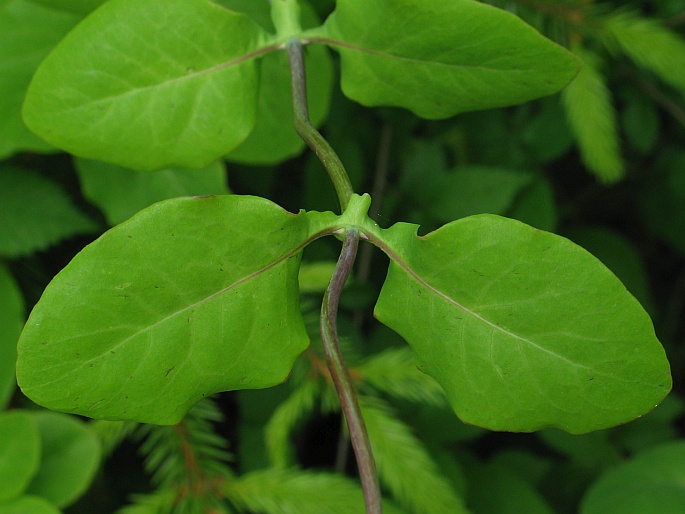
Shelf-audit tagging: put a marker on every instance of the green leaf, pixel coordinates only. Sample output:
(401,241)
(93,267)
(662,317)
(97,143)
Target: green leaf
(35,213)
(440,58)
(650,482)
(650,45)
(28,505)
(592,119)
(662,199)
(405,467)
(535,205)
(27,33)
(274,139)
(474,190)
(70,455)
(641,122)
(149,85)
(494,490)
(81,7)
(11,322)
(19,453)
(522,328)
(619,255)
(287,491)
(189,297)
(121,192)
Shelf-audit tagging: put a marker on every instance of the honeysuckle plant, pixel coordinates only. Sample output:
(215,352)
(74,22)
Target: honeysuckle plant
(192,296)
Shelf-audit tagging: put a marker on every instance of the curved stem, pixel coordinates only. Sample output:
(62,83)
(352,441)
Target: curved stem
(313,138)
(341,377)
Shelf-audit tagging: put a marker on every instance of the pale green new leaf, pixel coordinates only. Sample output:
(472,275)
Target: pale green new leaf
(649,44)
(592,118)
(27,33)
(35,213)
(150,84)
(441,58)
(11,321)
(405,467)
(121,192)
(522,328)
(70,456)
(190,297)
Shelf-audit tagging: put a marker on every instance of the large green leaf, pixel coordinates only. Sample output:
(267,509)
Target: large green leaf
(19,453)
(522,328)
(70,455)
(440,58)
(11,321)
(27,33)
(81,7)
(121,192)
(650,482)
(150,84)
(189,297)
(35,213)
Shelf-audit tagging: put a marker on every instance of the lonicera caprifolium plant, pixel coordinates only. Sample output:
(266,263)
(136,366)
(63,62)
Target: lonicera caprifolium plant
(509,327)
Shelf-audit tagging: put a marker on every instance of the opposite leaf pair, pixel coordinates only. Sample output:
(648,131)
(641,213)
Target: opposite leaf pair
(177,82)
(194,296)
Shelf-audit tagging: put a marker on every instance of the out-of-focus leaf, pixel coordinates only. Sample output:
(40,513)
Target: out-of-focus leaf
(121,192)
(11,322)
(35,213)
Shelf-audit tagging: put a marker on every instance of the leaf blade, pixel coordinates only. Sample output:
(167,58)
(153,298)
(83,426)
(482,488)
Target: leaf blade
(522,328)
(145,85)
(406,54)
(153,316)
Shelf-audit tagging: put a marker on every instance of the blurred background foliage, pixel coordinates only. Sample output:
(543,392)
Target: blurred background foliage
(602,163)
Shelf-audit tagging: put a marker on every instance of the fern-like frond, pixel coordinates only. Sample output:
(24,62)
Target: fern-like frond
(188,458)
(285,420)
(394,372)
(592,119)
(649,44)
(274,491)
(405,467)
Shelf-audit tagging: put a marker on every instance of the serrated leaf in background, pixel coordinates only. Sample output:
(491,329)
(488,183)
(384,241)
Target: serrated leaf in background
(69,458)
(121,192)
(11,322)
(649,482)
(650,45)
(592,118)
(27,33)
(155,317)
(35,213)
(550,339)
(148,85)
(439,58)
(405,467)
